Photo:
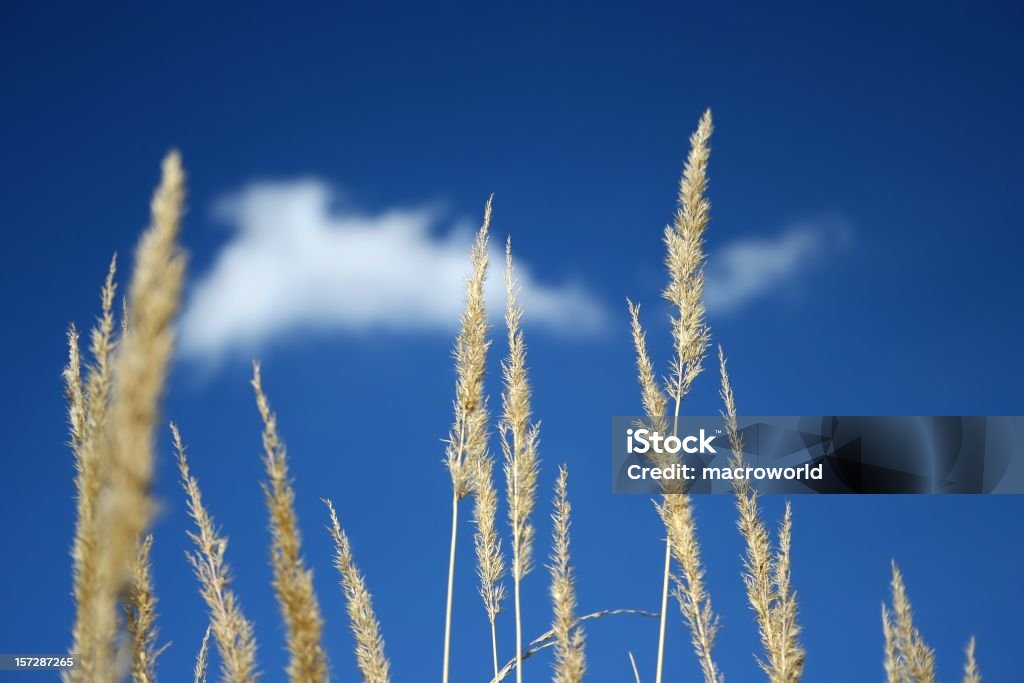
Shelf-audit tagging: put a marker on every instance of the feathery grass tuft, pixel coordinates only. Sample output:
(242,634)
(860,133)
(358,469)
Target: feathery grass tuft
(519,440)
(88,403)
(654,402)
(75,394)
(971,672)
(232,632)
(140,617)
(467,440)
(570,663)
(199,672)
(362,620)
(694,602)
(684,244)
(120,438)
(766,577)
(490,559)
(913,660)
(890,663)
(293,581)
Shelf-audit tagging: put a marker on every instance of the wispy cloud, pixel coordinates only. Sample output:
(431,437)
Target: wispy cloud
(298,262)
(748,269)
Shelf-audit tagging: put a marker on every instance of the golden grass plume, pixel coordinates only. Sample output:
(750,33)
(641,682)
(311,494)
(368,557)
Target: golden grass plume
(293,581)
(362,620)
(140,616)
(113,415)
(911,659)
(232,632)
(570,662)
(199,671)
(766,574)
(519,439)
(467,440)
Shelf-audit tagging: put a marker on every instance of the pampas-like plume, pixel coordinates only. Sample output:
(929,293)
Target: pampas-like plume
(684,243)
(519,437)
(694,601)
(74,394)
(101,346)
(140,616)
(489,557)
(362,620)
(767,578)
(789,653)
(914,661)
(232,632)
(890,662)
(293,581)
(87,410)
(971,672)
(467,440)
(199,672)
(655,405)
(570,663)
(139,369)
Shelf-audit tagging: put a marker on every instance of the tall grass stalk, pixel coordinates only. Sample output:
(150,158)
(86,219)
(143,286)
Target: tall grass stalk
(232,632)
(971,672)
(362,620)
(116,452)
(140,616)
(293,580)
(199,671)
(88,400)
(519,438)
(490,560)
(766,575)
(570,663)
(467,440)
(912,660)
(684,243)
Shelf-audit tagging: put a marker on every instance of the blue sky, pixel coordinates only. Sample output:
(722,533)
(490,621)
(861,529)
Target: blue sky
(868,152)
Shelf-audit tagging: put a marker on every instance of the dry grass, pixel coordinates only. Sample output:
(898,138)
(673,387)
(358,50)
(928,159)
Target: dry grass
(369,643)
(971,672)
(113,416)
(684,244)
(199,671)
(911,661)
(88,403)
(140,616)
(467,440)
(694,602)
(519,441)
(490,559)
(113,405)
(570,663)
(766,575)
(293,581)
(232,632)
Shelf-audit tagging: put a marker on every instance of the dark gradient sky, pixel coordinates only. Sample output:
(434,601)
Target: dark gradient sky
(902,120)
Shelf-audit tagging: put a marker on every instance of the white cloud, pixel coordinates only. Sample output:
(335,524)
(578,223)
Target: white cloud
(748,269)
(298,262)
